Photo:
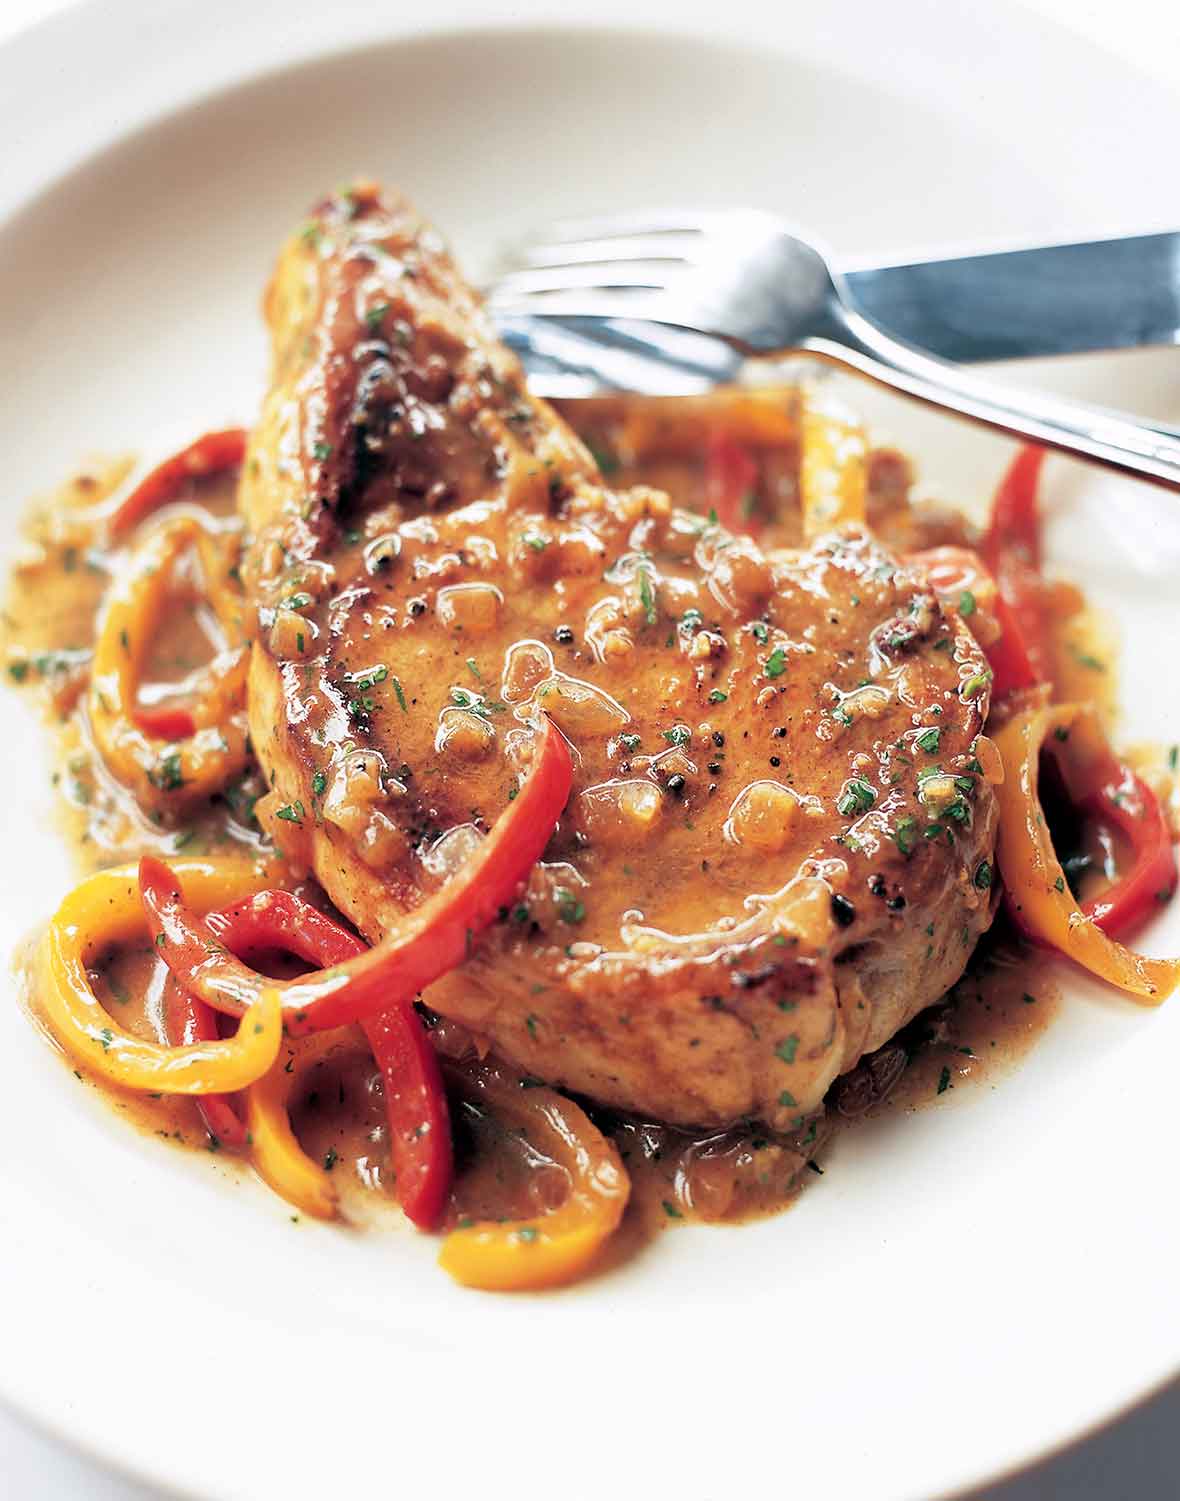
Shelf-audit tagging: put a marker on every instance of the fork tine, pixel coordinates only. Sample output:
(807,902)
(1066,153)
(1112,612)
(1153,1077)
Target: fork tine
(671,221)
(637,303)
(671,247)
(593,276)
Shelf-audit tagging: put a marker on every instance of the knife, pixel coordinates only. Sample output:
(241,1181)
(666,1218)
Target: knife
(1010,305)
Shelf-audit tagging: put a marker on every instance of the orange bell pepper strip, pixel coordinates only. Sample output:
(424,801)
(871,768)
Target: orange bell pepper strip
(1034,882)
(168,757)
(423,945)
(549,1249)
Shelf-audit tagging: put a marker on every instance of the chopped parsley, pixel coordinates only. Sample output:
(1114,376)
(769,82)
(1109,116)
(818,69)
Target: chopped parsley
(569,908)
(318,782)
(369,678)
(928,741)
(776,664)
(787,1049)
(322,451)
(167,775)
(717,696)
(647,595)
(983,876)
(401,697)
(1084,659)
(857,796)
(291,812)
(966,603)
(903,835)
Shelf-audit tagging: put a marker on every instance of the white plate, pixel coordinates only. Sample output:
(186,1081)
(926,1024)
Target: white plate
(963,1289)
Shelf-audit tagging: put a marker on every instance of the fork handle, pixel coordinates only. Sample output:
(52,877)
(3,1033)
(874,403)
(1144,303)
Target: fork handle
(1070,426)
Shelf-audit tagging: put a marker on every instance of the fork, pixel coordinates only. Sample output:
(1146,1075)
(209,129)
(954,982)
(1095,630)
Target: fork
(698,294)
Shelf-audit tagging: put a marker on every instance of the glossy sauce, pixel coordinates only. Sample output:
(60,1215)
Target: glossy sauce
(991,1018)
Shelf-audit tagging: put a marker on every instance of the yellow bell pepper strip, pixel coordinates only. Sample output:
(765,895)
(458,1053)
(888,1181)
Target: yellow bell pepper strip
(833,466)
(415,1101)
(275,1153)
(168,757)
(106,910)
(210,454)
(549,1249)
(426,943)
(1034,882)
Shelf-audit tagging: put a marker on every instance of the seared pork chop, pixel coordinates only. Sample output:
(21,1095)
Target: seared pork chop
(778,847)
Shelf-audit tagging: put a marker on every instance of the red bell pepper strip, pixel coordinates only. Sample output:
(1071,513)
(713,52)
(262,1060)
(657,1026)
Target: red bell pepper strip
(731,478)
(424,945)
(1011,548)
(1009,657)
(207,455)
(165,722)
(957,574)
(187,1020)
(415,1101)
(1122,799)
(1117,797)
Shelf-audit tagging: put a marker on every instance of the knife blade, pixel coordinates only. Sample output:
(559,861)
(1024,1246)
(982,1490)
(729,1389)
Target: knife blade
(1014,304)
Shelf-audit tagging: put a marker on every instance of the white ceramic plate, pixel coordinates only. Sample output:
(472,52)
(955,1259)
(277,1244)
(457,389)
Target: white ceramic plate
(963,1289)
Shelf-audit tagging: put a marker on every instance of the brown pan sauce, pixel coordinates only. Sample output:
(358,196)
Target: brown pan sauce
(985,1025)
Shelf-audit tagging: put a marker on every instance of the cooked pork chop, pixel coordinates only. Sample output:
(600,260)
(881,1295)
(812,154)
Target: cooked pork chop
(778,845)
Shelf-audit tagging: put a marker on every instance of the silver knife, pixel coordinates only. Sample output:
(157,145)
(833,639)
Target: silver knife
(1056,299)
(1006,305)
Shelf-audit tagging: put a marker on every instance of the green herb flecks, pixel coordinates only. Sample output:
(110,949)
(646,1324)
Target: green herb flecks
(857,796)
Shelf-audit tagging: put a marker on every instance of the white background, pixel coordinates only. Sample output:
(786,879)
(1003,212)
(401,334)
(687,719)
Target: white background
(1138,1457)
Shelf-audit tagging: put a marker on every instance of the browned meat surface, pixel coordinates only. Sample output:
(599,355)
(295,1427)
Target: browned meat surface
(778,846)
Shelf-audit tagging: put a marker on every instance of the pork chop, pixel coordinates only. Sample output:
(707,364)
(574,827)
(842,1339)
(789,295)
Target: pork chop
(778,847)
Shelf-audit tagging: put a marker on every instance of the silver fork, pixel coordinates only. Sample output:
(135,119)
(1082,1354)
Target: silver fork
(700,293)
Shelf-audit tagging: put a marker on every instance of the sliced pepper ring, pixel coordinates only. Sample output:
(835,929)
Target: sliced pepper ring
(415,1101)
(187,1020)
(1034,882)
(274,1150)
(550,1249)
(209,454)
(168,757)
(106,910)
